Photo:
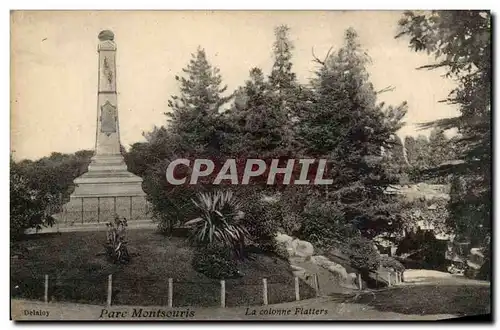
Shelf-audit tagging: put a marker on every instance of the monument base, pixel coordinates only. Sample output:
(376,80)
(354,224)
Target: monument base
(106,190)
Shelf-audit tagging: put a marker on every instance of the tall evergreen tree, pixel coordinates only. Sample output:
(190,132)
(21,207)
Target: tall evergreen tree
(286,94)
(394,160)
(440,148)
(348,127)
(195,120)
(264,109)
(461,44)
(260,130)
(417,151)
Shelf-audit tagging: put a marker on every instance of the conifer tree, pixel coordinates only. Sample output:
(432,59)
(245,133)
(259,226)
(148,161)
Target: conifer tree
(460,42)
(347,126)
(195,120)
(259,129)
(262,116)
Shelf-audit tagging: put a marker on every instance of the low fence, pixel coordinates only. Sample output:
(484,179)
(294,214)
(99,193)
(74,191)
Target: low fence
(103,209)
(116,289)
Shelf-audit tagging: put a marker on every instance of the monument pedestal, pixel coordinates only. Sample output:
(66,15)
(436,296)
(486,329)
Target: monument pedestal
(108,176)
(106,190)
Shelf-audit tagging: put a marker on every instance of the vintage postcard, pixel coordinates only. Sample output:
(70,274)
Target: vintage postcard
(250,165)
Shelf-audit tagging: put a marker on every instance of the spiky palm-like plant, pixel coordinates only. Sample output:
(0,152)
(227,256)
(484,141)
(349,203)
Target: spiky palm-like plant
(220,212)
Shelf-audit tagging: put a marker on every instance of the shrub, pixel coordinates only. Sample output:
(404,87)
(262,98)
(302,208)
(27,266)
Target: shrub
(323,223)
(216,262)
(389,262)
(171,205)
(281,251)
(262,222)
(424,249)
(362,254)
(28,207)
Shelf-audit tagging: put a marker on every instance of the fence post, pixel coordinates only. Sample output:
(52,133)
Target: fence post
(389,279)
(98,209)
(316,284)
(222,293)
(46,292)
(264,290)
(376,280)
(82,210)
(170,292)
(297,288)
(130,208)
(110,288)
(114,205)
(360,282)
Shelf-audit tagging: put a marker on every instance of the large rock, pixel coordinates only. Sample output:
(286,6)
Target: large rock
(339,271)
(319,260)
(302,248)
(285,242)
(283,239)
(298,271)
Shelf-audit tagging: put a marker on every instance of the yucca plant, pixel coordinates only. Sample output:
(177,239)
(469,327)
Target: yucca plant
(116,247)
(218,221)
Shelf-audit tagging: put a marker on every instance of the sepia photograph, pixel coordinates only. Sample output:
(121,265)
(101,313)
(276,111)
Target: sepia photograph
(314,165)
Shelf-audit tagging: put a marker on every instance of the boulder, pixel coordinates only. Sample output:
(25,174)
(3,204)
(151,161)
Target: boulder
(283,238)
(285,242)
(298,271)
(302,248)
(319,260)
(339,271)
(351,281)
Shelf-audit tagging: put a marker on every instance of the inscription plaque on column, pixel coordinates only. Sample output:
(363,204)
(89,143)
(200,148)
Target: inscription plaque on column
(108,118)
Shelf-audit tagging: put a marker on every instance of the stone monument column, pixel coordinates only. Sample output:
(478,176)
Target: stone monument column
(107,188)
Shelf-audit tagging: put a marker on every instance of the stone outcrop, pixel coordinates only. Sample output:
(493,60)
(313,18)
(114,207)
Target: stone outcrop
(304,264)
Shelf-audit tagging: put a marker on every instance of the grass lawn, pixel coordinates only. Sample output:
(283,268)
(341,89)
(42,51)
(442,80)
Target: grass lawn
(456,299)
(78,274)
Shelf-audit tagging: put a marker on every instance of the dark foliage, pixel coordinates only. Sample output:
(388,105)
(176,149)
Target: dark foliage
(423,250)
(391,263)
(362,254)
(216,262)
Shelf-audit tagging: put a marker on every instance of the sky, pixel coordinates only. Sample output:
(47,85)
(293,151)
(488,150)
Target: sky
(54,66)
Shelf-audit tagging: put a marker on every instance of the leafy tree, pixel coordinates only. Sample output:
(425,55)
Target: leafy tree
(460,42)
(53,176)
(27,205)
(346,125)
(143,156)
